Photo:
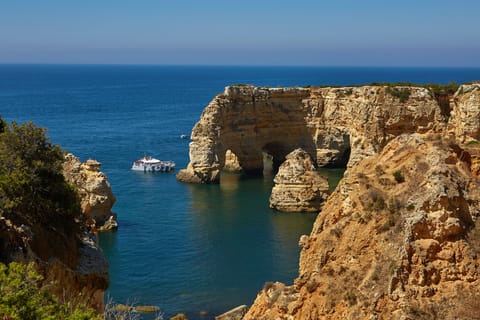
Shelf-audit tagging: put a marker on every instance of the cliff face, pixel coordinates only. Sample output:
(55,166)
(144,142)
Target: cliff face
(334,125)
(62,246)
(464,123)
(95,193)
(398,239)
(64,251)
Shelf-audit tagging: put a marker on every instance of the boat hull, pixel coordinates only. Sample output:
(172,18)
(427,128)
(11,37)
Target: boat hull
(149,164)
(148,168)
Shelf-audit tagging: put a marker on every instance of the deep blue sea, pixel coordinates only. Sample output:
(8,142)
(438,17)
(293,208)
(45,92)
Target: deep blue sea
(185,248)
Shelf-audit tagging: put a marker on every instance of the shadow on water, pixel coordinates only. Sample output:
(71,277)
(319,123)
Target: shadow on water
(244,243)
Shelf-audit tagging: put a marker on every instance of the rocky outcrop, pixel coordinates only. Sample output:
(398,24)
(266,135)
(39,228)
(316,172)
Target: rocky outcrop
(398,239)
(234,314)
(334,125)
(64,251)
(95,193)
(298,185)
(464,122)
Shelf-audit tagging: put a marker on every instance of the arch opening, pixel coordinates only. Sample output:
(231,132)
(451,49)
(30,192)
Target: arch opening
(334,148)
(232,164)
(274,154)
(340,160)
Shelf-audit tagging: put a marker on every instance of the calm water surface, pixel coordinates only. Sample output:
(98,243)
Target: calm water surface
(185,248)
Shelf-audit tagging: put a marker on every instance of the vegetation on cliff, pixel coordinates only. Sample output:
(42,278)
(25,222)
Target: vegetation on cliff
(41,221)
(23,297)
(397,239)
(32,186)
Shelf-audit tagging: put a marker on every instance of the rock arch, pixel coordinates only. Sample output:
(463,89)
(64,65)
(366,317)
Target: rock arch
(334,125)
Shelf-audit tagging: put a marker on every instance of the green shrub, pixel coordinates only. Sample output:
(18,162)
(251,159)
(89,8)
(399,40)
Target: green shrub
(390,222)
(379,204)
(398,175)
(32,185)
(350,297)
(23,298)
(401,93)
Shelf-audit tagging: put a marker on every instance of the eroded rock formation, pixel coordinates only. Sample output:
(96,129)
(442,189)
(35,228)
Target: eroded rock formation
(62,246)
(64,251)
(298,185)
(398,239)
(96,197)
(334,125)
(464,123)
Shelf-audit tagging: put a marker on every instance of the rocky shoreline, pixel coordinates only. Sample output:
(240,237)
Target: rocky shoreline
(399,237)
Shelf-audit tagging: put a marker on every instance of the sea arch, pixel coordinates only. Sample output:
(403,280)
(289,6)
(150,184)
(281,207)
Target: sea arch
(335,126)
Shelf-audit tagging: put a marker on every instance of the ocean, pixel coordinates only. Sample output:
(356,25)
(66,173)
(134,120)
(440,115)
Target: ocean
(182,247)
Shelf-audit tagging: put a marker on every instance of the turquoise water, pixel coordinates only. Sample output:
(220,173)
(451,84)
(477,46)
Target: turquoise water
(185,248)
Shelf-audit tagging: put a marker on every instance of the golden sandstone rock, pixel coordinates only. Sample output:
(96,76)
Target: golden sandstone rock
(334,125)
(389,248)
(399,238)
(96,197)
(298,185)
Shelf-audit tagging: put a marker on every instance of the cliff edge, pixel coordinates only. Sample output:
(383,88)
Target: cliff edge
(64,250)
(336,126)
(398,239)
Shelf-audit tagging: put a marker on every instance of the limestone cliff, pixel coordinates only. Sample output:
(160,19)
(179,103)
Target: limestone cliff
(298,185)
(334,125)
(95,193)
(63,248)
(464,123)
(64,251)
(398,239)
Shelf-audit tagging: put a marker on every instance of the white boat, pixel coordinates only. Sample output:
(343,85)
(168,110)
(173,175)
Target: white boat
(149,164)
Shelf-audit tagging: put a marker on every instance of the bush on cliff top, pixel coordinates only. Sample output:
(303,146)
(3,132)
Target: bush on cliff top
(32,186)
(21,297)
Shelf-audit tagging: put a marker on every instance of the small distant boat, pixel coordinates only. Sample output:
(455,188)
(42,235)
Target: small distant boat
(183,136)
(149,164)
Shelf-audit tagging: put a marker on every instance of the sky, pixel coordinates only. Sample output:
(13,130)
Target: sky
(246,32)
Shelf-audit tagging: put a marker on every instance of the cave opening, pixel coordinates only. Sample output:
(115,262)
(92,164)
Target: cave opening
(273,155)
(268,170)
(340,161)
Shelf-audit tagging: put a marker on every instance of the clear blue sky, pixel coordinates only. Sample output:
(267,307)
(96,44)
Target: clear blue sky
(247,32)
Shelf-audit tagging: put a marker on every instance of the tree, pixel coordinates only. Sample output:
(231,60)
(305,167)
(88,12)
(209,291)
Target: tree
(32,185)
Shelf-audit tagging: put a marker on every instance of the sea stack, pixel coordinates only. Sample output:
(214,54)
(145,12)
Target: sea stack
(298,185)
(95,193)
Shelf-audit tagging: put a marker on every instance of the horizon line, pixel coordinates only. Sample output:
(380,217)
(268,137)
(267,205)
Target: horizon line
(232,65)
